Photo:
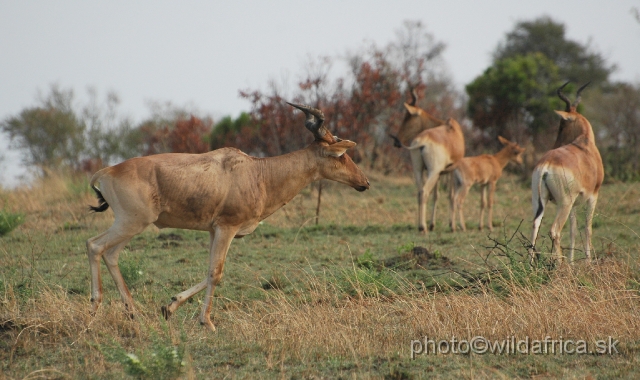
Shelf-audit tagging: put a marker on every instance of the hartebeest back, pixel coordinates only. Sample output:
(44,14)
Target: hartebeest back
(486,170)
(573,169)
(434,145)
(225,192)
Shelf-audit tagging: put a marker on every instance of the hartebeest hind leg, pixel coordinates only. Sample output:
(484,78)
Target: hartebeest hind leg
(108,246)
(492,192)
(556,228)
(458,193)
(432,224)
(573,231)
(483,205)
(591,207)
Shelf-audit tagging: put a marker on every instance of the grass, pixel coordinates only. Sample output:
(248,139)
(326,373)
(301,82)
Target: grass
(344,298)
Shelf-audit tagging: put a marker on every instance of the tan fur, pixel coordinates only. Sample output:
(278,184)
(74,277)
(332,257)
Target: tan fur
(485,170)
(434,146)
(225,192)
(571,171)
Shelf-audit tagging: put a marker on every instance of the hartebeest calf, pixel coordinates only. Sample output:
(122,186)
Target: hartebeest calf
(486,170)
(573,169)
(224,192)
(434,145)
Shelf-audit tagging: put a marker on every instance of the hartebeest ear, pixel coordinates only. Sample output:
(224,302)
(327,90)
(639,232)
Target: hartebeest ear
(503,140)
(566,115)
(413,111)
(338,149)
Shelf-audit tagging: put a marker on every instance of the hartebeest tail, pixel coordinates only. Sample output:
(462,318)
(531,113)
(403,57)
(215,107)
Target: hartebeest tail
(434,146)
(102,203)
(224,192)
(486,170)
(572,170)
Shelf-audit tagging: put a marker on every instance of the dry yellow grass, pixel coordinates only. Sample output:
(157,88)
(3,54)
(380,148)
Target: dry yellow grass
(588,303)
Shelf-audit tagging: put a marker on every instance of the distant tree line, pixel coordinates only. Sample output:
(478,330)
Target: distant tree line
(514,97)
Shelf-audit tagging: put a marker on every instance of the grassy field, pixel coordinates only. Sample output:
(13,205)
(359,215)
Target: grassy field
(342,299)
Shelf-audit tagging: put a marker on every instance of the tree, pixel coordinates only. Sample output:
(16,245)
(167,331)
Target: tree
(225,129)
(576,62)
(171,129)
(616,121)
(108,137)
(50,135)
(361,106)
(188,135)
(514,98)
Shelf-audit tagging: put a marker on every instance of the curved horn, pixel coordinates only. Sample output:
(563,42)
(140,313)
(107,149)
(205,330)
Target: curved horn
(314,123)
(414,96)
(564,97)
(578,98)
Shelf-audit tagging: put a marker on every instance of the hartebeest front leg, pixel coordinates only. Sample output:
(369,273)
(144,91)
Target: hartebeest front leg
(219,243)
(181,298)
(218,254)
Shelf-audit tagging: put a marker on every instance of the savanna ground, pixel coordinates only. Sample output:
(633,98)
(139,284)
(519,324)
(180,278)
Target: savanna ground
(344,298)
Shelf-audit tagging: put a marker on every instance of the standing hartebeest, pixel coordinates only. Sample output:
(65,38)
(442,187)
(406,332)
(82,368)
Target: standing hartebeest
(485,169)
(434,146)
(574,168)
(225,192)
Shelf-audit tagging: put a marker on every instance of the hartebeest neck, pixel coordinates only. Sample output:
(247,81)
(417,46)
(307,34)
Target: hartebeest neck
(570,130)
(503,156)
(286,175)
(413,125)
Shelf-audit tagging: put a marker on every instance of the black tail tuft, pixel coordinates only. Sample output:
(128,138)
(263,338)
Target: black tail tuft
(396,141)
(103,203)
(540,205)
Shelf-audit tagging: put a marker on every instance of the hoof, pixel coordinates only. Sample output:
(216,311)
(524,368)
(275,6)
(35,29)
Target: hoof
(165,312)
(208,325)
(432,227)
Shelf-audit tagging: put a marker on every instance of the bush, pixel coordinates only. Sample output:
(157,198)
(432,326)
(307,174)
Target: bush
(9,221)
(162,360)
(367,279)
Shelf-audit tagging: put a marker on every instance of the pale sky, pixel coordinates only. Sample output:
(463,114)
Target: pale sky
(201,53)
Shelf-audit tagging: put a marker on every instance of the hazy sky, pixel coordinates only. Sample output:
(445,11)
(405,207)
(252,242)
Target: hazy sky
(200,53)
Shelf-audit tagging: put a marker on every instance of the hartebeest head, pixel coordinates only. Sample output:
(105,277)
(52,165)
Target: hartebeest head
(512,151)
(415,121)
(333,162)
(572,124)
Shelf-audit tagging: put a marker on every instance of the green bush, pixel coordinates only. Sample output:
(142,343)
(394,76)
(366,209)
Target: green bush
(9,221)
(162,360)
(131,271)
(367,279)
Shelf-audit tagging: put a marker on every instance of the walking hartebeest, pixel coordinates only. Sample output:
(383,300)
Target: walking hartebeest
(574,168)
(434,146)
(225,192)
(486,170)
